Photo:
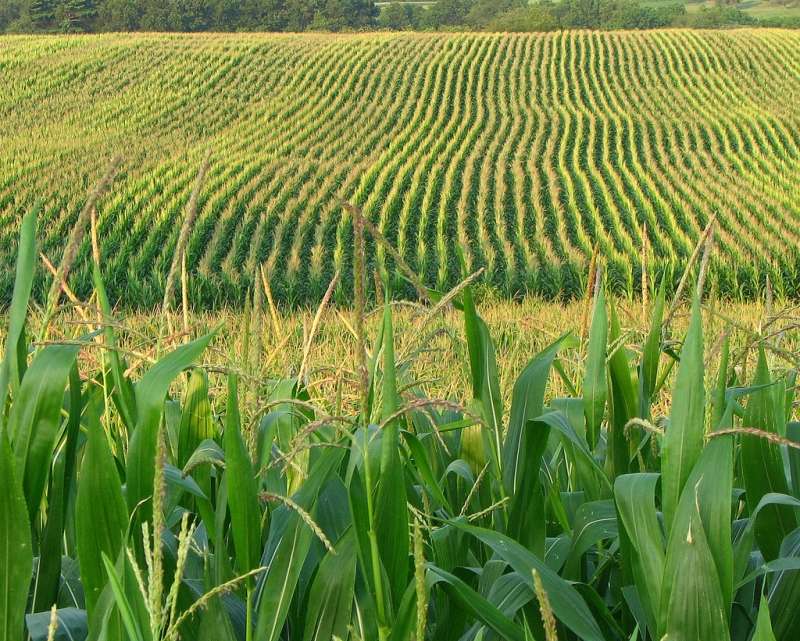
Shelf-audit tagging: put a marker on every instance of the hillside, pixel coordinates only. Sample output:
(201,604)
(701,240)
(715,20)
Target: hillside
(525,151)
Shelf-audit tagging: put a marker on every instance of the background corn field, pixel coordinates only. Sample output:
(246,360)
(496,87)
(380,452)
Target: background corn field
(526,151)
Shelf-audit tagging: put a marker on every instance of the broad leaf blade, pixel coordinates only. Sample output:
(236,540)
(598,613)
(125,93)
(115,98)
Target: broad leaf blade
(16,555)
(683,440)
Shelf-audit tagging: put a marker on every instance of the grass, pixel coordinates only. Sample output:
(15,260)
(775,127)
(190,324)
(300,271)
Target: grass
(636,484)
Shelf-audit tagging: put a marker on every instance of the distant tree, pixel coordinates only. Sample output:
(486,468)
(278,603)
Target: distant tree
(15,17)
(396,15)
(42,14)
(482,12)
(225,15)
(156,15)
(118,15)
(332,16)
(299,14)
(538,17)
(263,15)
(447,13)
(75,16)
(195,15)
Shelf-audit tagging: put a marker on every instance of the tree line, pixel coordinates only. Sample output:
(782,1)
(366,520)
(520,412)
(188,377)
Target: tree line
(77,16)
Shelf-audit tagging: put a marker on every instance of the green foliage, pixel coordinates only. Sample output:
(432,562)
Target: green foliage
(305,518)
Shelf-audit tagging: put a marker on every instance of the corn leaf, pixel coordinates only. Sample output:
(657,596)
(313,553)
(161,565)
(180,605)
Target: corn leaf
(151,392)
(692,604)
(242,488)
(101,515)
(595,388)
(18,310)
(763,472)
(624,403)
(16,555)
(635,498)
(35,418)
(331,597)
(683,440)
(475,604)
(391,514)
(763,631)
(568,606)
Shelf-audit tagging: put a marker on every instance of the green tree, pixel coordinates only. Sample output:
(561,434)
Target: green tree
(396,15)
(447,13)
(42,14)
(75,16)
(483,12)
(118,15)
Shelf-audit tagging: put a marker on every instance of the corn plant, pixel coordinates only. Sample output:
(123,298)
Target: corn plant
(166,505)
(528,150)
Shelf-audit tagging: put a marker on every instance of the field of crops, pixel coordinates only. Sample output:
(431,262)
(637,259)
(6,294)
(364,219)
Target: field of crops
(526,151)
(629,486)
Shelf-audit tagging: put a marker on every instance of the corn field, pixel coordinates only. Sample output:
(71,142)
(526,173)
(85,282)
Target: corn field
(526,152)
(168,498)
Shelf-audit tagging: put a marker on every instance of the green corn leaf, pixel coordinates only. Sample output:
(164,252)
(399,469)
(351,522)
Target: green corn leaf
(35,418)
(763,472)
(474,604)
(16,555)
(763,631)
(391,514)
(644,549)
(101,515)
(208,452)
(123,393)
(72,625)
(126,612)
(242,487)
(594,521)
(745,541)
(406,619)
(692,604)
(18,311)
(784,592)
(651,355)
(683,440)
(151,392)
(196,424)
(285,553)
(793,433)
(50,546)
(710,487)
(624,404)
(421,465)
(485,380)
(527,404)
(525,444)
(721,419)
(595,388)
(568,606)
(331,597)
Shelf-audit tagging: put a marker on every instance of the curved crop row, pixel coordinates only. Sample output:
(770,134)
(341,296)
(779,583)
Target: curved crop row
(521,153)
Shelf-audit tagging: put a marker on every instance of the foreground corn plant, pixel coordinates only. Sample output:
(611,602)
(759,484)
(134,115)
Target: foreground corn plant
(131,512)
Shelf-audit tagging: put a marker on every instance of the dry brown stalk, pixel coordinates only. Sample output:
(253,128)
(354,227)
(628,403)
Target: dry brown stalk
(589,290)
(776,439)
(688,270)
(358,214)
(315,325)
(358,285)
(273,310)
(74,242)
